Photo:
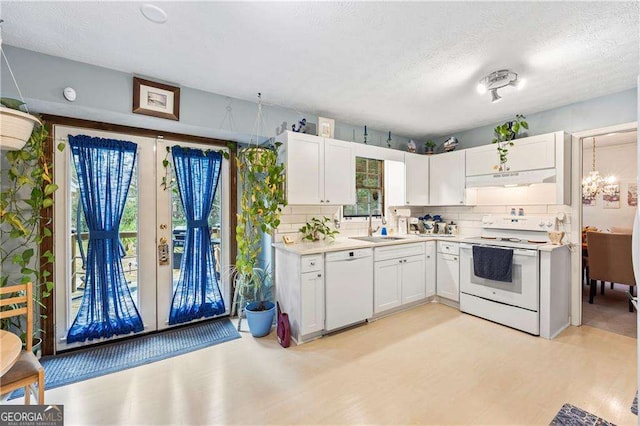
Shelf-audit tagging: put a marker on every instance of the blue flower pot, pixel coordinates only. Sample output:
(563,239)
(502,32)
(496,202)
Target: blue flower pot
(260,321)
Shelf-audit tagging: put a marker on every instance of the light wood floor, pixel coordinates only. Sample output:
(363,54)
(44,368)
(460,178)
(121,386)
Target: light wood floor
(429,365)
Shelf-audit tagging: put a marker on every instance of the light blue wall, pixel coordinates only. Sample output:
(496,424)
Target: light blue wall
(106,95)
(594,113)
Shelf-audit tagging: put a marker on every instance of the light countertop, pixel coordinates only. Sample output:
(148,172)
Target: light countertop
(345,243)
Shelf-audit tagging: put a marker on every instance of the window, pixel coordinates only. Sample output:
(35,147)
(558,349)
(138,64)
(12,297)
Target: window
(369,189)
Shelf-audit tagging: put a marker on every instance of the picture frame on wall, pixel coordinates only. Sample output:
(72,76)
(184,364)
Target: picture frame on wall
(632,194)
(612,200)
(156,99)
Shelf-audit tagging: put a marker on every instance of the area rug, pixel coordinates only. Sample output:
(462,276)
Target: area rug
(634,406)
(572,415)
(93,362)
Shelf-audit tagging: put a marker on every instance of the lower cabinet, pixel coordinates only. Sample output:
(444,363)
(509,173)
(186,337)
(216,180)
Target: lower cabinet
(448,273)
(311,302)
(398,280)
(430,268)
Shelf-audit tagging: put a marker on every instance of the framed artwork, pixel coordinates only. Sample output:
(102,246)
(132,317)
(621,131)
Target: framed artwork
(632,194)
(326,127)
(588,202)
(156,99)
(612,200)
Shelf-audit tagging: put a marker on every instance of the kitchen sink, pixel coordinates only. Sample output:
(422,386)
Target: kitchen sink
(377,239)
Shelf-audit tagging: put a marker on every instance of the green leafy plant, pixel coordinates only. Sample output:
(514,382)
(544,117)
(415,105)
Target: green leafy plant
(429,146)
(505,134)
(27,189)
(312,230)
(261,179)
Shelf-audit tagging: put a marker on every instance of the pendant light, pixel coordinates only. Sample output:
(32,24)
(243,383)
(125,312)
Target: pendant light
(594,183)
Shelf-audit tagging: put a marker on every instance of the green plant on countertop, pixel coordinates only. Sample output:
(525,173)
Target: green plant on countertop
(27,191)
(504,136)
(312,230)
(261,181)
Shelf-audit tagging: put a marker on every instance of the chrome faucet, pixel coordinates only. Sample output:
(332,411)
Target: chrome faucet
(370,229)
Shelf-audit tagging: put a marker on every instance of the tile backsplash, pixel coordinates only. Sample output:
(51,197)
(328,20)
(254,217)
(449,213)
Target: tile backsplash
(468,218)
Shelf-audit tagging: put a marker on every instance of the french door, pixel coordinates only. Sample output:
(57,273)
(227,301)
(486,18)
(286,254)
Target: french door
(152,233)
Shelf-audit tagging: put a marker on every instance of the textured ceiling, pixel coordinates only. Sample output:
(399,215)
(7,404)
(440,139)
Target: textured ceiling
(408,67)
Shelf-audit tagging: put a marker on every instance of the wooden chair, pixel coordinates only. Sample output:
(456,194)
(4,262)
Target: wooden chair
(610,259)
(27,369)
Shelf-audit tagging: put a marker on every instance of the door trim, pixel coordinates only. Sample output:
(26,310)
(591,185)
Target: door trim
(48,324)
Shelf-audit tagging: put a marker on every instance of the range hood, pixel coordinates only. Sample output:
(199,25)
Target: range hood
(508,179)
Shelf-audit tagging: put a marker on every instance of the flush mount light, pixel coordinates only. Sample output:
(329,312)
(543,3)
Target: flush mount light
(497,80)
(153,13)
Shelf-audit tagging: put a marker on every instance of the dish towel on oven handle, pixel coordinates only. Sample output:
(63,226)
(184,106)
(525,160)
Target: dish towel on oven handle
(493,263)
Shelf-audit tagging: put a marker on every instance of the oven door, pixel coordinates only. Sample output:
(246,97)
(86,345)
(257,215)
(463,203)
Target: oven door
(523,292)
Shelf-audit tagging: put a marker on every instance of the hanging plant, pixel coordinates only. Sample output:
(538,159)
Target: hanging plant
(505,134)
(27,189)
(261,179)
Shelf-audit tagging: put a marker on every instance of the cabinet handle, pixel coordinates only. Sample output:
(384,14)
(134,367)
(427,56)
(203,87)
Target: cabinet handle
(400,261)
(461,202)
(319,275)
(455,258)
(326,201)
(312,263)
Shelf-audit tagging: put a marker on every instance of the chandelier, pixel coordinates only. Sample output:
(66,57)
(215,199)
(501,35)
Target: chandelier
(594,183)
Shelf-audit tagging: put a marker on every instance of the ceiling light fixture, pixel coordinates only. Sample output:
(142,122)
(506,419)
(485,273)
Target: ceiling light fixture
(497,80)
(153,13)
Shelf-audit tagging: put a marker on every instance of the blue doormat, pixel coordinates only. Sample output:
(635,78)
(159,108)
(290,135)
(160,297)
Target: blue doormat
(634,406)
(574,416)
(88,363)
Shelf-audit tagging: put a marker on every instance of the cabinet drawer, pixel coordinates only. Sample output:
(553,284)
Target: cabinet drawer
(311,263)
(397,251)
(448,248)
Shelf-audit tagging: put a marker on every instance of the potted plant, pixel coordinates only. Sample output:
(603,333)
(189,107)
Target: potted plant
(312,230)
(27,189)
(429,147)
(16,126)
(505,135)
(261,180)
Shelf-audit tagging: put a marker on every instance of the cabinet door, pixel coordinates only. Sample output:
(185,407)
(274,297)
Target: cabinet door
(304,160)
(387,285)
(413,279)
(447,179)
(430,269)
(448,276)
(311,302)
(536,152)
(416,179)
(340,173)
(481,160)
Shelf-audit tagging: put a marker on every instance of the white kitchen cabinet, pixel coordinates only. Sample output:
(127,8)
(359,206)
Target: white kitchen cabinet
(448,276)
(430,268)
(447,179)
(311,302)
(387,285)
(416,179)
(299,284)
(413,279)
(399,276)
(318,170)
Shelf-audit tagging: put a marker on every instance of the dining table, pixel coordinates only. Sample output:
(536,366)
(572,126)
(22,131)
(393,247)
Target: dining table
(10,348)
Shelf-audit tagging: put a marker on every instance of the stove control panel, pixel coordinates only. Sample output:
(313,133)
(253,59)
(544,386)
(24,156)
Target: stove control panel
(521,223)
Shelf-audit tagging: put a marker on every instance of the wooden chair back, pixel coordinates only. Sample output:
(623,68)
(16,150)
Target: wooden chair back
(610,258)
(17,300)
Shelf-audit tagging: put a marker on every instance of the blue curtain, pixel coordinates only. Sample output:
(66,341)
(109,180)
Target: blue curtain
(197,294)
(104,168)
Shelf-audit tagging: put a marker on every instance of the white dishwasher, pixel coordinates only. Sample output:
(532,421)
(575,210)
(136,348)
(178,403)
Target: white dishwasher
(349,287)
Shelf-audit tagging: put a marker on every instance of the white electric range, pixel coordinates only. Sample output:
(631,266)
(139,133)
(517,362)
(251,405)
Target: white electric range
(516,303)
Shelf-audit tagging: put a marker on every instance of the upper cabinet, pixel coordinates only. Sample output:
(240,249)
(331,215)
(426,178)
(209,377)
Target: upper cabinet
(319,170)
(447,179)
(532,153)
(416,169)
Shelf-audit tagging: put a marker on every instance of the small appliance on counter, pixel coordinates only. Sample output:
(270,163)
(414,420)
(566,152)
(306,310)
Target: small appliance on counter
(414,225)
(402,225)
(428,224)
